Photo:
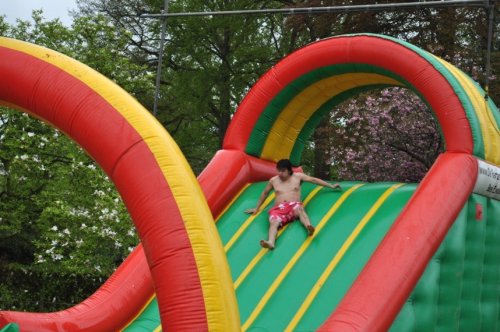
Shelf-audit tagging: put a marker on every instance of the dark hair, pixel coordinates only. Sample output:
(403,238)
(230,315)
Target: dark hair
(284,164)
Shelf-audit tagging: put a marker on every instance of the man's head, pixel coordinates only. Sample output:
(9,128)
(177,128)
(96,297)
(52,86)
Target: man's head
(284,167)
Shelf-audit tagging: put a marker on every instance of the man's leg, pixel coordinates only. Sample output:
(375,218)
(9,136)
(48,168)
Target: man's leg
(300,212)
(274,224)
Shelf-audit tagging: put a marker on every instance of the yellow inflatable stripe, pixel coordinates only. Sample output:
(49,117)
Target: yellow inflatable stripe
(331,266)
(288,125)
(489,130)
(262,303)
(247,223)
(262,252)
(251,265)
(189,198)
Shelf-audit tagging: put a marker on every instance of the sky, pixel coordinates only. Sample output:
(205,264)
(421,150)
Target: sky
(14,9)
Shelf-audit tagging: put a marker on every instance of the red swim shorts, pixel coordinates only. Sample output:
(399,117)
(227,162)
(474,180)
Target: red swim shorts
(284,212)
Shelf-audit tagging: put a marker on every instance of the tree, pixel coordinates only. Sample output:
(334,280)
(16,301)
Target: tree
(390,136)
(210,63)
(306,29)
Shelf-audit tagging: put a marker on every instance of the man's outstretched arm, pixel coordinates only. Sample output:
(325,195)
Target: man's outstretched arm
(320,182)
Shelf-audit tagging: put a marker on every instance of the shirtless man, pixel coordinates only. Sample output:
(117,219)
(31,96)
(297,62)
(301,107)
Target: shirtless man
(287,204)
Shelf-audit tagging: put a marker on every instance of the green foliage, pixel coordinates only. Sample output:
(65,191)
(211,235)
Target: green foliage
(60,214)
(41,291)
(209,64)
(218,50)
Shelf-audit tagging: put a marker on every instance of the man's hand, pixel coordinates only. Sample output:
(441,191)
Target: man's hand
(251,211)
(335,186)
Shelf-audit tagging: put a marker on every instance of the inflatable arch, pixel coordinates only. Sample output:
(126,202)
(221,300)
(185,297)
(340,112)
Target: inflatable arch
(282,110)
(274,121)
(162,195)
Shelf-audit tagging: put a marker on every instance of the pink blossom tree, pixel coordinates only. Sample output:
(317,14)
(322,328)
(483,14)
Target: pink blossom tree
(387,135)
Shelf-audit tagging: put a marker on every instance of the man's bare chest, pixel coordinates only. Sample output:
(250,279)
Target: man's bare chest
(290,186)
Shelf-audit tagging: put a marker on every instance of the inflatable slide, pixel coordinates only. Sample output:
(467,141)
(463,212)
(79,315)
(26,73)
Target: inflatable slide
(385,256)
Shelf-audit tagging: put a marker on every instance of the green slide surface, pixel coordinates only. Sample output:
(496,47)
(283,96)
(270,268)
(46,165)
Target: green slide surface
(298,285)
(12,327)
(272,286)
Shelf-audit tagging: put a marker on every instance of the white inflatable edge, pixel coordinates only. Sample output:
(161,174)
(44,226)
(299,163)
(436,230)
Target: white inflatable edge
(488,180)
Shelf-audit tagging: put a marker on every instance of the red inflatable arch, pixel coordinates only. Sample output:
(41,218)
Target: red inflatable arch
(184,254)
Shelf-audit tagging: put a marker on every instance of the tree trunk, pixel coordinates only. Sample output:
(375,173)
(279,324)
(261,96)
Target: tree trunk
(322,149)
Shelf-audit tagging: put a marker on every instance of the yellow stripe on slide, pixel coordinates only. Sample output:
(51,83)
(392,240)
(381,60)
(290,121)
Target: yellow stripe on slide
(331,266)
(289,124)
(247,223)
(213,270)
(256,312)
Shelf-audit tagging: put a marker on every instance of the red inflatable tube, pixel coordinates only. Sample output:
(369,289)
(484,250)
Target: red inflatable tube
(88,315)
(130,287)
(362,49)
(134,151)
(388,279)
(228,172)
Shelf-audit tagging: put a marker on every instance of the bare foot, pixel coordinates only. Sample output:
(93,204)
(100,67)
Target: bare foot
(266,244)
(310,230)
